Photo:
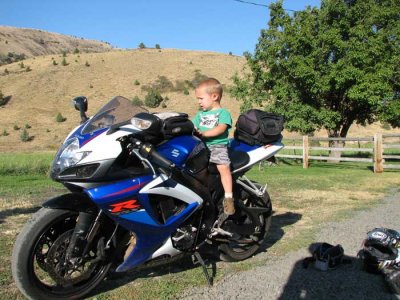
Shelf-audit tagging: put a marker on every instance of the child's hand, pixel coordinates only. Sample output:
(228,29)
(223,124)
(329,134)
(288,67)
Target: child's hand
(197,133)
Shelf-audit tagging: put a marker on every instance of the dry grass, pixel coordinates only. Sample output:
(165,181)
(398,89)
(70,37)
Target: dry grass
(33,42)
(37,96)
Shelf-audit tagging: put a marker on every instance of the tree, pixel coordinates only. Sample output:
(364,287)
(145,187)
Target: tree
(142,46)
(328,67)
(158,46)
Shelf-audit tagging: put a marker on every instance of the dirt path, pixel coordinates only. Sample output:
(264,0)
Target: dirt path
(285,278)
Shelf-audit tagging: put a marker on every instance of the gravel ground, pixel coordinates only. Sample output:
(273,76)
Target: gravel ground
(285,278)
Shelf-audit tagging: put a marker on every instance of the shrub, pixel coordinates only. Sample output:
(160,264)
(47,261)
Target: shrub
(137,101)
(137,82)
(76,51)
(25,136)
(27,126)
(16,127)
(186,92)
(163,84)
(55,63)
(158,46)
(198,77)
(64,62)
(87,64)
(64,53)
(5,133)
(60,118)
(163,104)
(230,53)
(28,69)
(21,64)
(142,46)
(6,71)
(153,98)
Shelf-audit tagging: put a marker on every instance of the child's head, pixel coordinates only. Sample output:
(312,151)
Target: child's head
(209,93)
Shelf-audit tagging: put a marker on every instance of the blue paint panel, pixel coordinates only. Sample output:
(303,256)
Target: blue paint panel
(149,237)
(236,145)
(150,234)
(178,149)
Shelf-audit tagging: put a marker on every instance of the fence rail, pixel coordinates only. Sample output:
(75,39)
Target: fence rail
(380,145)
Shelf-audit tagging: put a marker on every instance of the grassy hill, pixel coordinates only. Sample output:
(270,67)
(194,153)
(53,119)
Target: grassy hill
(32,42)
(40,87)
(40,90)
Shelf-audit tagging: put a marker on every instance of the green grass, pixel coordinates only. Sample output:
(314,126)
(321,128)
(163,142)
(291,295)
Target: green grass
(303,199)
(25,163)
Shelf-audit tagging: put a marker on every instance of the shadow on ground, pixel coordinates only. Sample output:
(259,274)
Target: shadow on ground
(348,281)
(17,211)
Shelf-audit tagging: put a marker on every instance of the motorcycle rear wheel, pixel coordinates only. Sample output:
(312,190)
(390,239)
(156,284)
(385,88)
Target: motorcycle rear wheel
(32,269)
(234,251)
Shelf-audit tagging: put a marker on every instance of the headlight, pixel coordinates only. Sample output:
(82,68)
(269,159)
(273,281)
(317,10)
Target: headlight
(68,156)
(140,123)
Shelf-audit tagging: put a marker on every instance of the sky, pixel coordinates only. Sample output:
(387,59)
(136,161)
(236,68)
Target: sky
(212,25)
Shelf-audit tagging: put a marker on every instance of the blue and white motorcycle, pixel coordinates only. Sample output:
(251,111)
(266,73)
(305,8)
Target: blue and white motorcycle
(141,191)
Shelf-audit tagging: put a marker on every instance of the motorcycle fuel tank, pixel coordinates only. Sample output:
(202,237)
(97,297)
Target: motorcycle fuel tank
(179,148)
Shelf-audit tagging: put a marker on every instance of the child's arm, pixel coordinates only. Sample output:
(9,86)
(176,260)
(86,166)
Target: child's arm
(216,131)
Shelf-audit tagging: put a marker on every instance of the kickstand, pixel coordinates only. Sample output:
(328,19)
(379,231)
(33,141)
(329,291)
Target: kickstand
(196,258)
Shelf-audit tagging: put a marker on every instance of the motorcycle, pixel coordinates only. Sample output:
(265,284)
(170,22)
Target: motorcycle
(141,191)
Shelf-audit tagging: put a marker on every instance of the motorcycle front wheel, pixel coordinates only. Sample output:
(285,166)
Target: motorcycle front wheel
(38,261)
(237,250)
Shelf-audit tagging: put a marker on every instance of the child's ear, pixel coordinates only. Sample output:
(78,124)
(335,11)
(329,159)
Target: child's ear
(214,96)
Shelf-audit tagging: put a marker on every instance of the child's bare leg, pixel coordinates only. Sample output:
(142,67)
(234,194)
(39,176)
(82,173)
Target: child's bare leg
(226,180)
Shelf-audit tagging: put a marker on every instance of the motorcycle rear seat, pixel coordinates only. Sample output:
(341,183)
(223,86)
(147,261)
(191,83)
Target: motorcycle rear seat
(238,160)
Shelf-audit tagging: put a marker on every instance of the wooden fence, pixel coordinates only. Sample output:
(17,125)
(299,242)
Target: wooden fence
(375,150)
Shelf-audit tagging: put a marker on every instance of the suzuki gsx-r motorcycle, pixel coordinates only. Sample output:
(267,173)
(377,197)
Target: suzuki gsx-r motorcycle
(141,191)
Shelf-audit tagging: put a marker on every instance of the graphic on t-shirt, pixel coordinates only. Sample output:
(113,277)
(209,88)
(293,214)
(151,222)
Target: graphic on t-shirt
(209,121)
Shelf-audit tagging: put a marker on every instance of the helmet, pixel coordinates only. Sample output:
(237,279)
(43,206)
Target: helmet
(380,250)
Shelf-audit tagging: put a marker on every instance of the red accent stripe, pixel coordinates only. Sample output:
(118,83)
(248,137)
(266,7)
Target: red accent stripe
(124,190)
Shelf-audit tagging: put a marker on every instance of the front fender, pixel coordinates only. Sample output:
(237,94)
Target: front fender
(79,202)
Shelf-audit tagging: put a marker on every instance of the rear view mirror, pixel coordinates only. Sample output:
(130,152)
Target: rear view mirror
(80,103)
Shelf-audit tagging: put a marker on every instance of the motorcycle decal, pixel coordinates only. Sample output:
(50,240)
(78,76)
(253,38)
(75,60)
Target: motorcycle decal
(129,189)
(125,207)
(87,138)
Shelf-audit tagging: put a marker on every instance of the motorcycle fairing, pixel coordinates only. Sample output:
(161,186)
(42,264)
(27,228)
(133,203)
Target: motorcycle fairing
(150,234)
(256,153)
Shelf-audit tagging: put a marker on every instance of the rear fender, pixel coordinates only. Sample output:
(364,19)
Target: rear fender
(79,202)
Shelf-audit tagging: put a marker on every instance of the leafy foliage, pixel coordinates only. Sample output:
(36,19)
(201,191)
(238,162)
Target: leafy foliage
(142,46)
(328,67)
(60,118)
(25,136)
(137,101)
(153,98)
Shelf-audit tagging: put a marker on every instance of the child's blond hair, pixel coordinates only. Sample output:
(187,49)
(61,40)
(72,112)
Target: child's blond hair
(212,86)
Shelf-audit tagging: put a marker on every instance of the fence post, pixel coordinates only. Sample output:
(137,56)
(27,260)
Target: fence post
(305,151)
(378,153)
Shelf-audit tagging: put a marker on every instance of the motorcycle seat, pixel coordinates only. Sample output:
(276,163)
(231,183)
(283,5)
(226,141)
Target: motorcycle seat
(238,160)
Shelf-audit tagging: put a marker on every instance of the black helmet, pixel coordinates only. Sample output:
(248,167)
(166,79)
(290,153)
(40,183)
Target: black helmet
(380,250)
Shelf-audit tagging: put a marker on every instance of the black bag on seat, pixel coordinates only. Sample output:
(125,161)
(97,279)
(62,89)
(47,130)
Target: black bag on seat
(175,124)
(257,127)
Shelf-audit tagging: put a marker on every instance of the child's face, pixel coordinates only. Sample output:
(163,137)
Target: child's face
(206,101)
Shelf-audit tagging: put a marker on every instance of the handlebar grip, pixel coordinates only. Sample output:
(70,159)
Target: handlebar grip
(149,151)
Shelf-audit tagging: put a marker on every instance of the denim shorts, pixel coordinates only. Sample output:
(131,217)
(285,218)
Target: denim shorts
(219,154)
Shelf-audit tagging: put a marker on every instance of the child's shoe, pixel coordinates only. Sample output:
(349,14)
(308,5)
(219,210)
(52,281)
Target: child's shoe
(229,206)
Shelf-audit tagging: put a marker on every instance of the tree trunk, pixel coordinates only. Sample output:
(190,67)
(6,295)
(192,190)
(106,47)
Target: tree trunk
(338,144)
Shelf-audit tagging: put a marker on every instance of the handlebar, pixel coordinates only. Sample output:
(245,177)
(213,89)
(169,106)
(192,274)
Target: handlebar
(147,150)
